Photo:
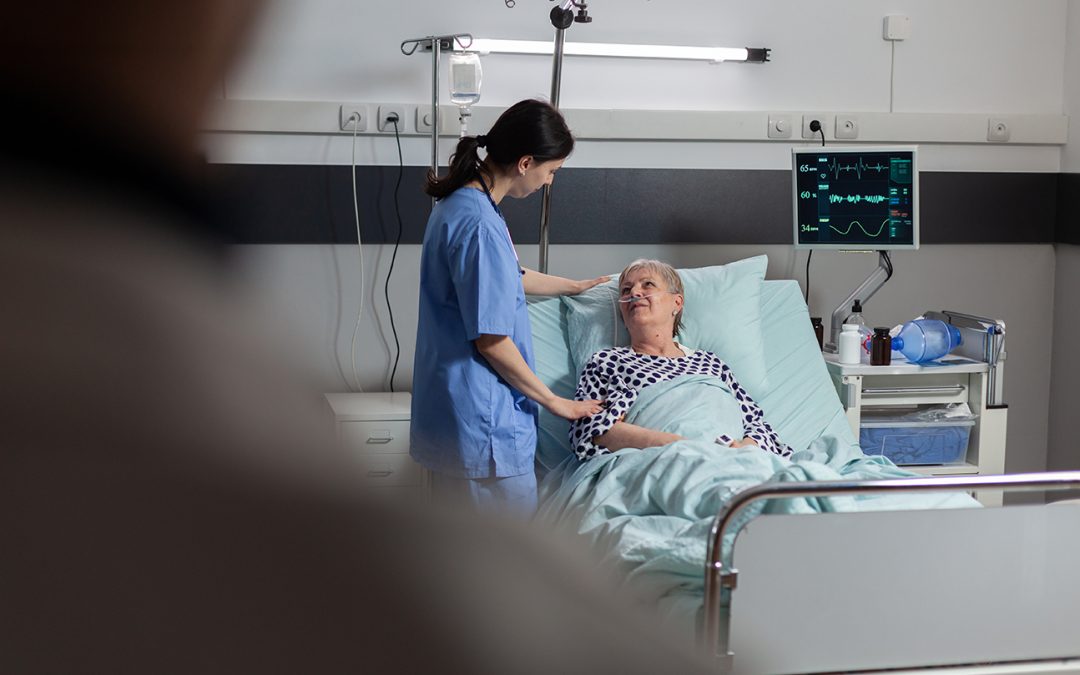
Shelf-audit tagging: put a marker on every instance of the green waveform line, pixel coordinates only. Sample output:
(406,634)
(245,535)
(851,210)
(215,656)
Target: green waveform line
(835,167)
(855,222)
(855,199)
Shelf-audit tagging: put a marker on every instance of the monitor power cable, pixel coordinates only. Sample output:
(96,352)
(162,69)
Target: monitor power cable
(814,126)
(397,242)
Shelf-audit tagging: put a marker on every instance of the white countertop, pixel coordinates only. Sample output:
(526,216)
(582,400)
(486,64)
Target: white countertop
(371,406)
(900,366)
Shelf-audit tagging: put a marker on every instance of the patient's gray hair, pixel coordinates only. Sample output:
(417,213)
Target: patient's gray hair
(669,276)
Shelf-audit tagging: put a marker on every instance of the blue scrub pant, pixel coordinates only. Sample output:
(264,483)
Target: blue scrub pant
(512,495)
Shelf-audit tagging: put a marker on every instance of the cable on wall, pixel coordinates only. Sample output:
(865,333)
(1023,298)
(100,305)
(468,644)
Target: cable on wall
(815,126)
(360,252)
(892,73)
(397,243)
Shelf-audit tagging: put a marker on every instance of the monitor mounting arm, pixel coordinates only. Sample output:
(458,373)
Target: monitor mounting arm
(864,292)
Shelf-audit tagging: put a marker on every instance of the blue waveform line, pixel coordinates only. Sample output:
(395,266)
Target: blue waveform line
(855,199)
(855,222)
(835,167)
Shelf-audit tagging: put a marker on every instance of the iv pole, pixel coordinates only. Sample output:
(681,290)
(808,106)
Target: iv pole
(562,17)
(435,44)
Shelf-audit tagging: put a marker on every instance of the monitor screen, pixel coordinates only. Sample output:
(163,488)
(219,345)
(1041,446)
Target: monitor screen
(856,198)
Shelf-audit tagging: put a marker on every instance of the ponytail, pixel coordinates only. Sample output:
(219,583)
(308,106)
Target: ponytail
(527,128)
(465,166)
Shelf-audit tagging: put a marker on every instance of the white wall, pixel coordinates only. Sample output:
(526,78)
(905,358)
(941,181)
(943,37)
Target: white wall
(964,56)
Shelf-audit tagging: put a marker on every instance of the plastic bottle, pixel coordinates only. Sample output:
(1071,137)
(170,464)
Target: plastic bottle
(856,318)
(848,344)
(856,315)
(923,340)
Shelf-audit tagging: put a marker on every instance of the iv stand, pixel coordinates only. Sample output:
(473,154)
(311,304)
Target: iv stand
(435,44)
(864,292)
(561,18)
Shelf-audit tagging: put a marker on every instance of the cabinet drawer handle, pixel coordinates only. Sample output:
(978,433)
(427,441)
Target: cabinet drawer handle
(943,390)
(379,441)
(379,474)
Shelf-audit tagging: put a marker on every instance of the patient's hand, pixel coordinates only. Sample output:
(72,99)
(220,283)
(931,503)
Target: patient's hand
(723,440)
(572,410)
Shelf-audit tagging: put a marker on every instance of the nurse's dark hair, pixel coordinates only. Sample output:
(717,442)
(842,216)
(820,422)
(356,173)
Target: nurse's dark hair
(529,127)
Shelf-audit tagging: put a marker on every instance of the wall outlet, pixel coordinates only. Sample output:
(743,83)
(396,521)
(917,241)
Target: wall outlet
(847,127)
(780,126)
(997,130)
(824,120)
(347,117)
(896,27)
(423,119)
(386,113)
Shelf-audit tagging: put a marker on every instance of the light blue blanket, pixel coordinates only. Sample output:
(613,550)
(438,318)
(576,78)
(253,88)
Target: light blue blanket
(648,512)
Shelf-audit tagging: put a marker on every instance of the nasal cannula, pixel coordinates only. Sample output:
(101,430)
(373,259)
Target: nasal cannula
(639,298)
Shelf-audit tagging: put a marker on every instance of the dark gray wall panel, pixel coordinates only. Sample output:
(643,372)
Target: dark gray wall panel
(1068,215)
(313,204)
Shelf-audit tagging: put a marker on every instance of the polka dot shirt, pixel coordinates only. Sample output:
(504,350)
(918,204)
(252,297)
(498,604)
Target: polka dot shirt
(619,374)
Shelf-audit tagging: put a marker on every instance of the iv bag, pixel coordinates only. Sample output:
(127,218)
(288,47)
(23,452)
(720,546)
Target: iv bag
(464,78)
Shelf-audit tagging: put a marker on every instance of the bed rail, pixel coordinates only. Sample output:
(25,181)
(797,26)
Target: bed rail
(715,636)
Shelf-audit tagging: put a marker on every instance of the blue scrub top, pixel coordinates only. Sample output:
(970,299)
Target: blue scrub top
(466,420)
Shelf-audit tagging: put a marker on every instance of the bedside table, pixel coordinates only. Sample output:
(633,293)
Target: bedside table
(953,380)
(375,428)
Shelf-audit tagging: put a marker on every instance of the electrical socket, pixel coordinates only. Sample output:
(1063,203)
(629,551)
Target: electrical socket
(780,126)
(997,130)
(824,120)
(346,117)
(847,127)
(423,119)
(386,113)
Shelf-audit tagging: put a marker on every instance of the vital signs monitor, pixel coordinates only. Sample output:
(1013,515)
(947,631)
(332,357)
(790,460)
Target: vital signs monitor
(856,198)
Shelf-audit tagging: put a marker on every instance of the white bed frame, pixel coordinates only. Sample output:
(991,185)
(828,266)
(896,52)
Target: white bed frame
(963,591)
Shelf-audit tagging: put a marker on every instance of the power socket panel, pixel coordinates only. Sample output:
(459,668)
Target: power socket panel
(347,117)
(847,127)
(824,120)
(385,112)
(423,119)
(780,126)
(997,130)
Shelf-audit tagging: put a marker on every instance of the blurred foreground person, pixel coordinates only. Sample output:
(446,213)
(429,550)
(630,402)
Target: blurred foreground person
(168,502)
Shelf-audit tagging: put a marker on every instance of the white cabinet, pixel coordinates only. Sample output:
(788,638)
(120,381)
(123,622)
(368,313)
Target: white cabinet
(953,381)
(374,428)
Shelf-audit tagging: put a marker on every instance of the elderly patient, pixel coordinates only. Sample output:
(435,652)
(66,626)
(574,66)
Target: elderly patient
(651,305)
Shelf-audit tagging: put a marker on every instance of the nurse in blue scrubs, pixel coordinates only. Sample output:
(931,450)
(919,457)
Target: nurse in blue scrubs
(475,395)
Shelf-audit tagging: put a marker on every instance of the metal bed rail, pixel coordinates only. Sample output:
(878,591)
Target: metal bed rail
(715,637)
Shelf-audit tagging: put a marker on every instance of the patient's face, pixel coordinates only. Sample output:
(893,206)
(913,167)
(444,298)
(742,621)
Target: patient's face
(654,306)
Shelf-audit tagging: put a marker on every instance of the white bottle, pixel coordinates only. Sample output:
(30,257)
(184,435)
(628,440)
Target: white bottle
(848,344)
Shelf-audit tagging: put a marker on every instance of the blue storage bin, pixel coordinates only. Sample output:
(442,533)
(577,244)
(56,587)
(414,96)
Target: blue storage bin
(916,442)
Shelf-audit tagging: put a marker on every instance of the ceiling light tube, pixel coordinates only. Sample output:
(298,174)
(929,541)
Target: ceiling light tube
(713,54)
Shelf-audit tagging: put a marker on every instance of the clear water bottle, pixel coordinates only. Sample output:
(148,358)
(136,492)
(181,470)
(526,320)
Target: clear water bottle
(923,340)
(856,319)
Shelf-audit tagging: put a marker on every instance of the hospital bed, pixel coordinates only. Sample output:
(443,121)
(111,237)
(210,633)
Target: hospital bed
(973,590)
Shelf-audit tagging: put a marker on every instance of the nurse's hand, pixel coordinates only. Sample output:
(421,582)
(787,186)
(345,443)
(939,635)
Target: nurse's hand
(572,410)
(582,286)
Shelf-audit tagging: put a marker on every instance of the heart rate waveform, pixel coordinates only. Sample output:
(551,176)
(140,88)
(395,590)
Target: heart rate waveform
(836,168)
(856,223)
(855,199)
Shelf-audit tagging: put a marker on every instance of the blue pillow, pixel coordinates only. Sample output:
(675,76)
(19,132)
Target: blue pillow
(721,314)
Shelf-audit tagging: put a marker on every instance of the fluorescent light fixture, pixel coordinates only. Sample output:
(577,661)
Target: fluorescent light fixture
(713,54)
